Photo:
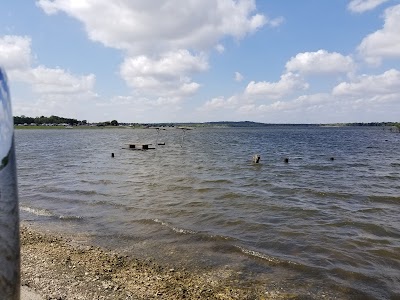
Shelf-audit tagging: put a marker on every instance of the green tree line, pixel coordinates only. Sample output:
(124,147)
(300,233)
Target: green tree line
(46,120)
(20,120)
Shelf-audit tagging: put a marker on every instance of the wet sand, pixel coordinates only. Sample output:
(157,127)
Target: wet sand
(57,267)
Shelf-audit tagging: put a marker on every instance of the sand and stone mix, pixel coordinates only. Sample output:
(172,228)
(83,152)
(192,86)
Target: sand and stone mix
(59,268)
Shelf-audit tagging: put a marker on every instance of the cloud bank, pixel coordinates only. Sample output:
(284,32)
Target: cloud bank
(166,48)
(383,43)
(164,42)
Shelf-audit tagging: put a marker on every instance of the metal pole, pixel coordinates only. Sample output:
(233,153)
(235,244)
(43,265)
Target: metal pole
(9,209)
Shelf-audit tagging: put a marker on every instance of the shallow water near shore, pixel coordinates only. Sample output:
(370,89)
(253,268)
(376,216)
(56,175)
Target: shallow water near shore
(313,226)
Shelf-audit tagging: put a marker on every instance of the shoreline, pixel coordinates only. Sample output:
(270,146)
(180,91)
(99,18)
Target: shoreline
(58,267)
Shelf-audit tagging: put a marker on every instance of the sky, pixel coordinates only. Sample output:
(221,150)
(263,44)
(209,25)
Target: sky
(281,61)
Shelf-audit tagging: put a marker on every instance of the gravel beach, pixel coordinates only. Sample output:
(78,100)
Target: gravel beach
(57,267)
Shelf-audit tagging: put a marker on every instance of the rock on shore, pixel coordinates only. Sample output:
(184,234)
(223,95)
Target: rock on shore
(58,269)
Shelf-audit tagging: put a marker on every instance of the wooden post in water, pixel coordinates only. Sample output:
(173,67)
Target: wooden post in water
(256,158)
(9,209)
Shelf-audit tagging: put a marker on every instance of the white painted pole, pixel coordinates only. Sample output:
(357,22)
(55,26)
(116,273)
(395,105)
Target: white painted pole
(9,209)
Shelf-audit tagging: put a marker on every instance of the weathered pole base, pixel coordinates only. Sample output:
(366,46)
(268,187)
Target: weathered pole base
(9,231)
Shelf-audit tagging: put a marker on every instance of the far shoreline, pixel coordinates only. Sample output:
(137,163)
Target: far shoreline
(393,128)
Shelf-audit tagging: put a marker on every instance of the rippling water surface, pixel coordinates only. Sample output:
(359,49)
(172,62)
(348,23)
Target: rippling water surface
(315,224)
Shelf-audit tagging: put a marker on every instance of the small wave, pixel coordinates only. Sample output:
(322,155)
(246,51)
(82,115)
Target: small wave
(178,230)
(178,187)
(264,256)
(322,167)
(385,199)
(71,165)
(217,181)
(228,195)
(166,224)
(378,230)
(357,165)
(36,211)
(203,190)
(97,182)
(83,192)
(46,213)
(197,235)
(196,204)
(370,210)
(327,194)
(70,218)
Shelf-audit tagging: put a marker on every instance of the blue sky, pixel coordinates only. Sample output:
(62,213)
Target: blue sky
(285,61)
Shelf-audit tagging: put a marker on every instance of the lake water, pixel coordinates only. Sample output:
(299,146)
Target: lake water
(313,226)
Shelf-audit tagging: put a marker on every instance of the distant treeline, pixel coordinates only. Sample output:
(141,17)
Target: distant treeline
(55,120)
(372,124)
(47,120)
(232,124)
(60,120)
(257,124)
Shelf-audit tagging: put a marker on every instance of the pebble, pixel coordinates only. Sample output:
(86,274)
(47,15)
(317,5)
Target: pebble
(68,273)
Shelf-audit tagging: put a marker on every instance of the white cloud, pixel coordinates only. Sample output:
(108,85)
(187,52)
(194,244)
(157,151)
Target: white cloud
(167,74)
(320,108)
(288,83)
(220,48)
(360,6)
(47,81)
(320,62)
(257,96)
(147,26)
(313,108)
(15,52)
(220,103)
(384,43)
(169,65)
(57,81)
(276,22)
(366,86)
(75,105)
(16,57)
(245,103)
(143,104)
(54,90)
(365,98)
(163,40)
(140,109)
(238,77)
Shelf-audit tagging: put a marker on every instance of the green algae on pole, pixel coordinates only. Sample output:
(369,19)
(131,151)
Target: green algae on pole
(9,210)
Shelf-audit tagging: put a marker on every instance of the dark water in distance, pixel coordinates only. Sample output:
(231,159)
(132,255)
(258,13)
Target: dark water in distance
(331,227)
